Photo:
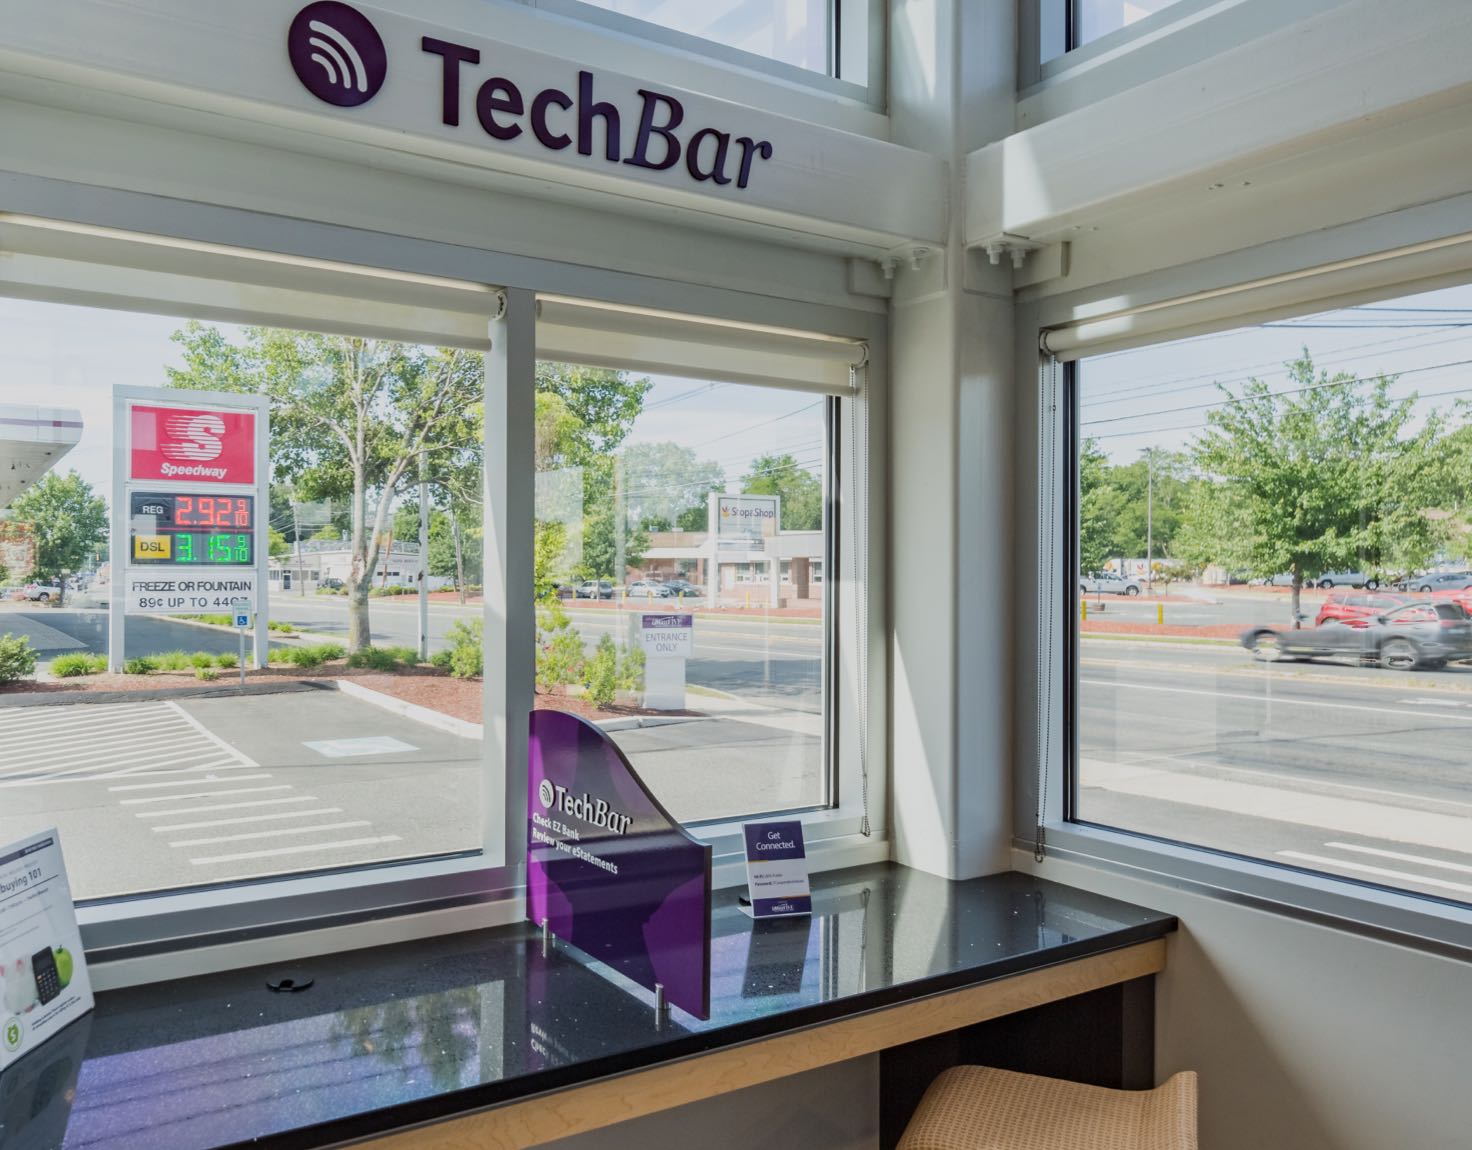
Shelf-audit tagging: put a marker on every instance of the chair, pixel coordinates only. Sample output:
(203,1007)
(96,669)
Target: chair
(981,1108)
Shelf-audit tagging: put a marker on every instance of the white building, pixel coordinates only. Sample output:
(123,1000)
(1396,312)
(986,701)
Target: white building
(926,227)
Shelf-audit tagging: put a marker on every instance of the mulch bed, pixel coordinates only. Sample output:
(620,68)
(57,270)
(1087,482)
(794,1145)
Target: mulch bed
(425,686)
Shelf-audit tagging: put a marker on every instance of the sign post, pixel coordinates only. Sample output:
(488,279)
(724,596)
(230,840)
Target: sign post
(243,612)
(667,641)
(190,497)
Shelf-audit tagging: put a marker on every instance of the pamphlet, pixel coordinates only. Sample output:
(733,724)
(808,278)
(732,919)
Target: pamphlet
(43,977)
(777,869)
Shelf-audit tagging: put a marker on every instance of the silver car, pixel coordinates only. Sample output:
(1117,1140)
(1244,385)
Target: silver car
(1108,583)
(1418,635)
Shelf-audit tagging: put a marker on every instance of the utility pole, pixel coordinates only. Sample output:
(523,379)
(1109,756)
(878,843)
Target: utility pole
(1150,518)
(423,556)
(296,530)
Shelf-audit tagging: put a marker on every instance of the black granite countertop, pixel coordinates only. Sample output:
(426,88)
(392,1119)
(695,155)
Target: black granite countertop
(402,1034)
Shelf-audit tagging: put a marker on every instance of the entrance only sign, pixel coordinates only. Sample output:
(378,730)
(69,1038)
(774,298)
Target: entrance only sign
(667,636)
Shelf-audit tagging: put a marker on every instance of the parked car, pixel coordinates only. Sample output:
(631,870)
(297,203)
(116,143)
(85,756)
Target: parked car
(1346,579)
(1438,581)
(41,592)
(1427,635)
(1356,609)
(1108,583)
(647,588)
(594,589)
(682,587)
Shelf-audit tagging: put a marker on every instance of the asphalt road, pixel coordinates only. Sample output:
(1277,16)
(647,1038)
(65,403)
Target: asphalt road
(779,663)
(1349,770)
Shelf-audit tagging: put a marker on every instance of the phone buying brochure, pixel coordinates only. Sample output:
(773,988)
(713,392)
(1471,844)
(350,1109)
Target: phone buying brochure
(43,978)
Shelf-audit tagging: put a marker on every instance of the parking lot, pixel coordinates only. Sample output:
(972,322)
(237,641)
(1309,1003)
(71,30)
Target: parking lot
(165,793)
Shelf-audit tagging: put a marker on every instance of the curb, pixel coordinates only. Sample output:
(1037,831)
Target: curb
(425,715)
(283,687)
(633,722)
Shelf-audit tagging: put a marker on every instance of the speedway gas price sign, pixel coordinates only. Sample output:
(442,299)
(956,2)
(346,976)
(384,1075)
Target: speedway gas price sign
(193,528)
(188,538)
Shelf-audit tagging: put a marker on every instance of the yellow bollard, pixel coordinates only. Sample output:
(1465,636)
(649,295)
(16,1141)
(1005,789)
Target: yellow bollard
(748,600)
(1083,608)
(1160,613)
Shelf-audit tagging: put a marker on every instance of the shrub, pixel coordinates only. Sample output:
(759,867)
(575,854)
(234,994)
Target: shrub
(409,656)
(172,661)
(142,665)
(278,625)
(600,675)
(304,657)
(201,659)
(206,674)
(17,660)
(466,651)
(75,663)
(441,659)
(560,655)
(227,659)
(330,651)
(373,659)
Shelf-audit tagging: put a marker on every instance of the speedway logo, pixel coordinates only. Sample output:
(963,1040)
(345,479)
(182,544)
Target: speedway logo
(189,443)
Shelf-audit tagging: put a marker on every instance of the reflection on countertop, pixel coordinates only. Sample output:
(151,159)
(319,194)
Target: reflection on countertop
(416,1031)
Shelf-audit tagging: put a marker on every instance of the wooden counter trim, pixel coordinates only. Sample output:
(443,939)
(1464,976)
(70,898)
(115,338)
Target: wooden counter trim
(606,1101)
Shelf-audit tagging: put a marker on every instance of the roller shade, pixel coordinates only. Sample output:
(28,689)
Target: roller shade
(99,267)
(635,339)
(1436,263)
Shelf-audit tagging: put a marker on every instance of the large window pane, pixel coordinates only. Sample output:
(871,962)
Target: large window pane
(793,31)
(1068,24)
(703,505)
(169,774)
(1274,547)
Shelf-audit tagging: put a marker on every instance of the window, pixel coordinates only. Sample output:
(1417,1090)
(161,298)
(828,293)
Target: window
(838,38)
(163,774)
(1280,667)
(678,525)
(1068,24)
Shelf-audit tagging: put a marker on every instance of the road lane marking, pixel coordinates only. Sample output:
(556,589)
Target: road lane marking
(247,819)
(272,834)
(187,783)
(25,716)
(1403,878)
(1271,699)
(81,734)
(204,794)
(1399,856)
(309,848)
(245,760)
(226,806)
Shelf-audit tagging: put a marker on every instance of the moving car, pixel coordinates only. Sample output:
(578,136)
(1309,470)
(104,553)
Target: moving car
(646,588)
(1416,635)
(1108,583)
(594,589)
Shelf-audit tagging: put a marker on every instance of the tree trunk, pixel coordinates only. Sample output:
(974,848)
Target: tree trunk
(459,556)
(1297,593)
(360,574)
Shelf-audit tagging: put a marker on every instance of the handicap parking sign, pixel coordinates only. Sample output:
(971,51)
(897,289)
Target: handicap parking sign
(242,615)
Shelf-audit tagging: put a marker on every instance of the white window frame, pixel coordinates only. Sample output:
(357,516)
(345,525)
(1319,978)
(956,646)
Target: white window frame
(872,18)
(1405,918)
(175,934)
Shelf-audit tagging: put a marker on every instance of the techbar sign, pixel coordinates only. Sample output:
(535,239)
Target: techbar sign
(340,58)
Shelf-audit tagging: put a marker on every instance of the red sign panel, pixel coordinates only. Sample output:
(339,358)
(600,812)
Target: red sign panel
(190,443)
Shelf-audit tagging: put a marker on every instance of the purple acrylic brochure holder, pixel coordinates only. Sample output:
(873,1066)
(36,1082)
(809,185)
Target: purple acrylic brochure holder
(608,869)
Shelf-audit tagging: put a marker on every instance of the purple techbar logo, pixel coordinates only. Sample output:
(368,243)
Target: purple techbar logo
(337,53)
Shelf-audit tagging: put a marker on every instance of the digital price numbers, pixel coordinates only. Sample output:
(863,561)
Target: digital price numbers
(202,530)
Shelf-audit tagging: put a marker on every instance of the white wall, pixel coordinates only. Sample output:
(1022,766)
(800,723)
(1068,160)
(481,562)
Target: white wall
(1305,1037)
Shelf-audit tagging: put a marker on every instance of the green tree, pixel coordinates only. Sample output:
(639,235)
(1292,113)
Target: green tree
(666,484)
(68,519)
(1324,474)
(801,491)
(1097,507)
(278,545)
(349,420)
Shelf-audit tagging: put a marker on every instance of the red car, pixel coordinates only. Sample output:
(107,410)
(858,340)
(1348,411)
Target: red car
(1357,608)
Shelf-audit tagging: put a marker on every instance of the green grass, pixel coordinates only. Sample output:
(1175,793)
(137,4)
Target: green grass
(227,659)
(173,661)
(77,663)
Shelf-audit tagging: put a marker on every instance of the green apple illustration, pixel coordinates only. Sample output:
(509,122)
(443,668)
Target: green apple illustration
(63,964)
